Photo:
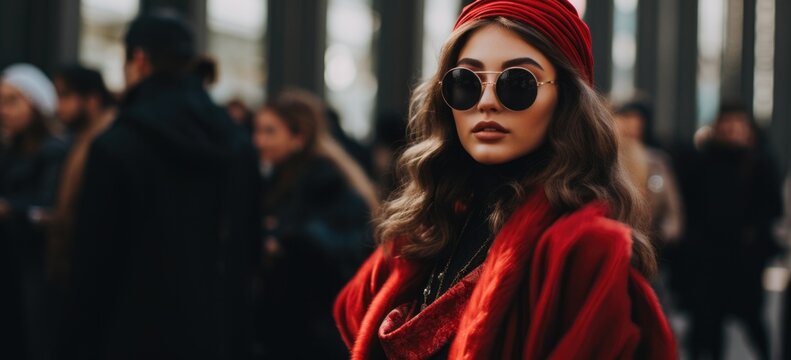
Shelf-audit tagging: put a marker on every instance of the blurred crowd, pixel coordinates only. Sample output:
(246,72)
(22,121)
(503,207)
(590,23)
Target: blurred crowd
(157,224)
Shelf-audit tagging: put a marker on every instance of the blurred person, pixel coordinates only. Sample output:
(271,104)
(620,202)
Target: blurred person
(651,171)
(241,114)
(317,208)
(732,199)
(514,233)
(360,153)
(86,108)
(167,219)
(205,68)
(30,161)
(785,234)
(389,141)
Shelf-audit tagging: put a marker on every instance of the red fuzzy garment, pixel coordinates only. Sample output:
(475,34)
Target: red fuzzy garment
(561,289)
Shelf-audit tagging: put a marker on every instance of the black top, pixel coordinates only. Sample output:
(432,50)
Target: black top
(27,181)
(166,233)
(471,248)
(323,230)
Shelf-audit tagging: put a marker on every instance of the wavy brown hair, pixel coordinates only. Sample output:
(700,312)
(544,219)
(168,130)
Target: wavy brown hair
(581,161)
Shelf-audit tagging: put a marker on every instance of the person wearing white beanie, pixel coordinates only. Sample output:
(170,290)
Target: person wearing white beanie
(34,85)
(30,164)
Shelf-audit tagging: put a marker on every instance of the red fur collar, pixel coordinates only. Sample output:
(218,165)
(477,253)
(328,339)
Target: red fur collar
(560,289)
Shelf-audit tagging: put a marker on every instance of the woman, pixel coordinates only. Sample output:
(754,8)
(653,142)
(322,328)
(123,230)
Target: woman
(30,160)
(317,205)
(509,236)
(650,169)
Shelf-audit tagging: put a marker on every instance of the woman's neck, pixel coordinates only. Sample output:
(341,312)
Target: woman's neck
(487,179)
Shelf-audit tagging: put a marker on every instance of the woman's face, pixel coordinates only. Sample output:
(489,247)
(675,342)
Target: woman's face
(274,140)
(630,125)
(16,112)
(489,132)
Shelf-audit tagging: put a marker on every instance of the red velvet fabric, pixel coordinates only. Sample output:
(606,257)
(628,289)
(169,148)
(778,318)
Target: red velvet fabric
(556,19)
(549,289)
(406,335)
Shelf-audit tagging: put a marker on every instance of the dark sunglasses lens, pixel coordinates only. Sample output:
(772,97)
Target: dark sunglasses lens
(461,89)
(517,89)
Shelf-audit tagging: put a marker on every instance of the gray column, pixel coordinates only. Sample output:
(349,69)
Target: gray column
(645,70)
(296,32)
(747,71)
(685,114)
(666,68)
(194,11)
(398,52)
(780,128)
(600,22)
(42,32)
(738,62)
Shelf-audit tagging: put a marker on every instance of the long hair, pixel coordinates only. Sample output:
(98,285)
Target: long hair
(581,161)
(28,141)
(303,114)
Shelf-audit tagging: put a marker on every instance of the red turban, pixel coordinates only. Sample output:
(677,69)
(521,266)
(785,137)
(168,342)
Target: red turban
(555,19)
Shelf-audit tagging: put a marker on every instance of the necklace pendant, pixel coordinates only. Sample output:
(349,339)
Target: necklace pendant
(426,292)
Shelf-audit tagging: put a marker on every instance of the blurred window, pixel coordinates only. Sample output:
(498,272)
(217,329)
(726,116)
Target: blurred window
(104,23)
(711,30)
(439,16)
(236,31)
(581,5)
(348,71)
(624,49)
(763,97)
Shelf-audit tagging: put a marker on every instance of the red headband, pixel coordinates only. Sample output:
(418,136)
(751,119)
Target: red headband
(556,19)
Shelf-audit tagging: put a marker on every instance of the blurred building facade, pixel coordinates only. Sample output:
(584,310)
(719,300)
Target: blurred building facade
(364,56)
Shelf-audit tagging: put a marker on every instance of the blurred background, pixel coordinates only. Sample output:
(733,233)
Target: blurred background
(684,57)
(364,56)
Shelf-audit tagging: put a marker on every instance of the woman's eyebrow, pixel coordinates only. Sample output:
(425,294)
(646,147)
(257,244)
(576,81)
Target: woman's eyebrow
(470,62)
(510,63)
(522,61)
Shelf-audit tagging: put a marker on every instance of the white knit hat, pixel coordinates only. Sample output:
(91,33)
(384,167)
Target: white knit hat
(31,82)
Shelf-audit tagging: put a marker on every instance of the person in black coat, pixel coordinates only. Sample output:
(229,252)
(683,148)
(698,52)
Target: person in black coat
(317,208)
(166,232)
(732,193)
(30,161)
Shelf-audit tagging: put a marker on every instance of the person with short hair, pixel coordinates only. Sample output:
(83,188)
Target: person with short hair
(732,193)
(86,108)
(167,227)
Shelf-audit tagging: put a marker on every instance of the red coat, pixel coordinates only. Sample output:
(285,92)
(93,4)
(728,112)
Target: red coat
(561,289)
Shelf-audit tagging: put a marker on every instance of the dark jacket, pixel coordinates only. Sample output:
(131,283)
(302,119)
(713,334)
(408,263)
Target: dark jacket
(166,233)
(322,226)
(27,182)
(733,198)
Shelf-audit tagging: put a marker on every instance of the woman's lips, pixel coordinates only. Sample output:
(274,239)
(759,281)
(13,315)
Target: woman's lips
(489,131)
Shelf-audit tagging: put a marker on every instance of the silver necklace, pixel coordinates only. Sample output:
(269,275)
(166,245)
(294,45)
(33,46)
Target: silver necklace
(441,276)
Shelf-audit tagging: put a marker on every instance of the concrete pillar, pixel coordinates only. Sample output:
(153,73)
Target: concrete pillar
(296,30)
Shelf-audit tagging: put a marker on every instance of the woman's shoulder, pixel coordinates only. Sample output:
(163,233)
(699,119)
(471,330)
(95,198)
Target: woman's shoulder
(591,230)
(54,146)
(322,171)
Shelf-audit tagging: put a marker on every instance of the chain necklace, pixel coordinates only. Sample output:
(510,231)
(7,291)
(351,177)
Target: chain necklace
(441,276)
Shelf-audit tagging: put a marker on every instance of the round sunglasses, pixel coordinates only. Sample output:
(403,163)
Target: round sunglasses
(516,88)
